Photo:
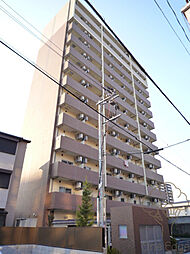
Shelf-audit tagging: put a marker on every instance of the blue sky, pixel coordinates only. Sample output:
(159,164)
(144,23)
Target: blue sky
(143,29)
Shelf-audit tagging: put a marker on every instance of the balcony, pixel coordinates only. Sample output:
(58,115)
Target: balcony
(69,202)
(75,148)
(74,173)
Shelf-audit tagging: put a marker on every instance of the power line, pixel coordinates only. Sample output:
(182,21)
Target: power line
(171,27)
(162,148)
(58,83)
(31,25)
(27,29)
(134,59)
(174,165)
(142,69)
(178,20)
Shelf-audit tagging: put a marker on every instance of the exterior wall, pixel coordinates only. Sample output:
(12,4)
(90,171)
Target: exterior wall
(133,217)
(15,183)
(12,152)
(40,120)
(84,238)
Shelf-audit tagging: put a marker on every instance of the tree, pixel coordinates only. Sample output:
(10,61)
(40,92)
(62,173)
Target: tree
(85,214)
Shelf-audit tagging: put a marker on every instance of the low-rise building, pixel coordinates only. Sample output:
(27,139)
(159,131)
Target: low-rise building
(12,152)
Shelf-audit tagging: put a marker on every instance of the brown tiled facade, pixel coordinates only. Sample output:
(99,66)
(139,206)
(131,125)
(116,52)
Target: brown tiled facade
(64,131)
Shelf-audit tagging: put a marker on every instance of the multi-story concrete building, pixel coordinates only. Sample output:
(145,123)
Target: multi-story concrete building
(64,130)
(167,187)
(12,151)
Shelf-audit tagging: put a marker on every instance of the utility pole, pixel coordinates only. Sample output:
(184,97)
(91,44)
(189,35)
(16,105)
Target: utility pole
(101,199)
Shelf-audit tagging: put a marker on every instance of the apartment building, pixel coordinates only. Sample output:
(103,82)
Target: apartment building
(64,130)
(12,151)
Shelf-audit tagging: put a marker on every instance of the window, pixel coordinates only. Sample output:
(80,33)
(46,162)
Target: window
(64,190)
(123,231)
(4,180)
(7,146)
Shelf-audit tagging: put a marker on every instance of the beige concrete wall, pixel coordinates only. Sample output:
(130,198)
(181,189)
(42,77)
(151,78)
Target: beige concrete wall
(40,121)
(15,183)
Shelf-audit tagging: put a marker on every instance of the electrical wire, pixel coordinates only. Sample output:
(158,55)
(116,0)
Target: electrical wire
(178,20)
(171,26)
(174,165)
(163,148)
(31,25)
(67,90)
(134,59)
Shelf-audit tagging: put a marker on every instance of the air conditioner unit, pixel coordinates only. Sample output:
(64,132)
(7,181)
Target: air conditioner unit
(143,113)
(132,195)
(116,171)
(86,118)
(88,58)
(123,77)
(80,136)
(83,82)
(82,98)
(131,175)
(114,151)
(146,137)
(155,200)
(85,160)
(129,157)
(144,124)
(140,91)
(128,140)
(117,193)
(113,133)
(141,101)
(84,68)
(124,111)
(150,166)
(78,186)
(85,138)
(84,54)
(85,43)
(126,125)
(123,99)
(79,159)
(86,101)
(152,182)
(110,65)
(81,117)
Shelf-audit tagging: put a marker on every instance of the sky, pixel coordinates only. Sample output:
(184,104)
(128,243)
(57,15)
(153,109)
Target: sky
(145,32)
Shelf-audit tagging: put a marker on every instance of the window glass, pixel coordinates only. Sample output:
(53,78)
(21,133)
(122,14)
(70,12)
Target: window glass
(4,180)
(122,231)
